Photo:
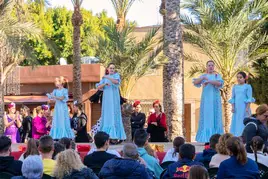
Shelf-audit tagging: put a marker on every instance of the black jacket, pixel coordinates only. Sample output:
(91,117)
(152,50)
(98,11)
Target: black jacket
(8,164)
(79,123)
(254,127)
(137,121)
(26,128)
(119,168)
(85,173)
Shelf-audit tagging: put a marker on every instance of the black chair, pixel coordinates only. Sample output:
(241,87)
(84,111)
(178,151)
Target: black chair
(206,164)
(213,173)
(165,165)
(162,174)
(6,175)
(263,170)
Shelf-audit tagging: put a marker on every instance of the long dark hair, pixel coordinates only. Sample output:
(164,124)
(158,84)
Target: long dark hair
(256,144)
(177,142)
(243,74)
(198,172)
(32,148)
(237,149)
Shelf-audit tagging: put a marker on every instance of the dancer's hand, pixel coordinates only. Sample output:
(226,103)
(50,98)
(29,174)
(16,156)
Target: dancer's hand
(233,110)
(206,83)
(247,111)
(205,78)
(154,123)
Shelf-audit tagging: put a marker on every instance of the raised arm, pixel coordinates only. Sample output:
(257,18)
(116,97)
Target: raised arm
(114,81)
(8,124)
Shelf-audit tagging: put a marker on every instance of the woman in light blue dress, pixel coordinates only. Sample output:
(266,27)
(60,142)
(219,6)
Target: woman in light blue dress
(241,99)
(61,126)
(111,118)
(210,118)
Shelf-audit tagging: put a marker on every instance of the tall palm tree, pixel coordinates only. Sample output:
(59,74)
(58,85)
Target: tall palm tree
(121,8)
(173,71)
(13,49)
(228,32)
(77,21)
(131,58)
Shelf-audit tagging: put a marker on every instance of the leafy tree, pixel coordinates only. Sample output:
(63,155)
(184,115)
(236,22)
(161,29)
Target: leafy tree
(228,32)
(131,58)
(13,49)
(57,28)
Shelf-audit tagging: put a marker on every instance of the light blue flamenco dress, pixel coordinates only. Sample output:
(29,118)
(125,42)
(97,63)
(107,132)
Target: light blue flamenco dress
(111,118)
(210,118)
(241,96)
(61,126)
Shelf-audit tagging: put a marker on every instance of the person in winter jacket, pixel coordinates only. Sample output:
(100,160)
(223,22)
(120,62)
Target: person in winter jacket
(207,154)
(181,168)
(256,126)
(131,166)
(7,162)
(70,166)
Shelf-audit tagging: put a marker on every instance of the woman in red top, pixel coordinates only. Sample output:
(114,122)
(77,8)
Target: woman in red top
(157,126)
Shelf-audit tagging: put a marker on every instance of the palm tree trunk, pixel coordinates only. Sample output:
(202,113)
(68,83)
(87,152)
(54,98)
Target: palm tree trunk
(2,108)
(226,95)
(173,72)
(120,23)
(77,21)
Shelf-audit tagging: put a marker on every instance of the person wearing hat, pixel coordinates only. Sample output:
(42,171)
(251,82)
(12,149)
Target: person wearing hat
(137,118)
(12,123)
(157,125)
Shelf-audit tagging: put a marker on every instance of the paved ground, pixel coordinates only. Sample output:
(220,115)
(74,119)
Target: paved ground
(198,146)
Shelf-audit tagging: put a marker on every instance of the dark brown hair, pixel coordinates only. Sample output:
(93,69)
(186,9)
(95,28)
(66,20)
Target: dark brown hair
(256,144)
(210,62)
(46,144)
(32,148)
(243,74)
(237,149)
(177,142)
(198,172)
(79,106)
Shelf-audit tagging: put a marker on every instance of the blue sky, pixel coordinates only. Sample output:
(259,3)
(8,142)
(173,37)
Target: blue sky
(144,12)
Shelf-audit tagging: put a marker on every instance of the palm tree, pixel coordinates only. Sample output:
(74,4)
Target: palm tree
(173,72)
(121,8)
(131,58)
(228,32)
(13,49)
(77,21)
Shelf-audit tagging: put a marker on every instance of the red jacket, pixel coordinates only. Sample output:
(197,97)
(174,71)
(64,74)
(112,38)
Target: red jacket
(162,122)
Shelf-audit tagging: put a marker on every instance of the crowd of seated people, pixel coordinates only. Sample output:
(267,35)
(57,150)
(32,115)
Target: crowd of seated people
(232,157)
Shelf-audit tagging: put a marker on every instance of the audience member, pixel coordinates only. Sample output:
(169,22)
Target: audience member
(46,150)
(257,146)
(69,166)
(222,152)
(173,154)
(32,149)
(141,140)
(207,154)
(256,127)
(180,169)
(130,166)
(66,142)
(198,172)
(238,165)
(58,147)
(32,168)
(7,162)
(96,160)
